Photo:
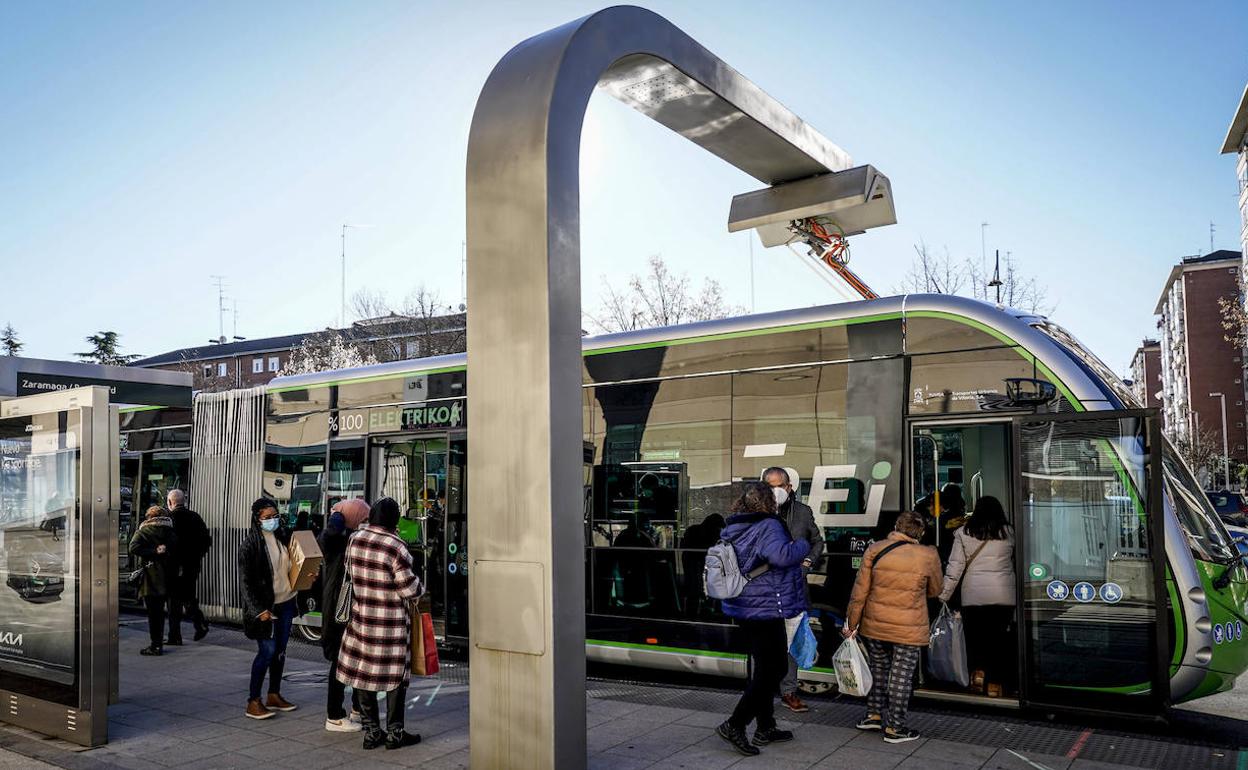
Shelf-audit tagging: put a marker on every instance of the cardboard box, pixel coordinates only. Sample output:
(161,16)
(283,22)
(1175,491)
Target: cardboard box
(305,560)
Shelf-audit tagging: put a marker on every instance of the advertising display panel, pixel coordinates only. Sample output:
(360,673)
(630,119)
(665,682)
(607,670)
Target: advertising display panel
(39,523)
(58,559)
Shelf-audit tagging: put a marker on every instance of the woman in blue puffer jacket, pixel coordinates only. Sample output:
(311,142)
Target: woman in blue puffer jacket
(760,539)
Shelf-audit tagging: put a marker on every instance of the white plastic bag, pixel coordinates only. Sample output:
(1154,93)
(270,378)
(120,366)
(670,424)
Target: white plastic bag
(853,675)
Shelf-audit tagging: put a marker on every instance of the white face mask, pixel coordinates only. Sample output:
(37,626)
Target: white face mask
(782,495)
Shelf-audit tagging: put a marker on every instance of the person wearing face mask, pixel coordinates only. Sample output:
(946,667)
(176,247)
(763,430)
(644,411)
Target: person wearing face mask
(800,520)
(269,605)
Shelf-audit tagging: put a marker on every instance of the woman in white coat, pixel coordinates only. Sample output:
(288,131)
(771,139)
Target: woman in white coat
(981,562)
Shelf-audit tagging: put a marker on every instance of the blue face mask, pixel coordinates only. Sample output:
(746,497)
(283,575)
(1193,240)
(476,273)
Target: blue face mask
(270,525)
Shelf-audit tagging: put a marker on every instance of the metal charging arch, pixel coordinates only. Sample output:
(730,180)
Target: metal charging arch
(527,593)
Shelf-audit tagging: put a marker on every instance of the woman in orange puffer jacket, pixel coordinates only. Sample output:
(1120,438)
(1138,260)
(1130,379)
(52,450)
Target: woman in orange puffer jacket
(888,607)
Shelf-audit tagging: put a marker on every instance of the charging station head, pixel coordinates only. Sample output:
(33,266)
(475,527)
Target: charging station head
(847,202)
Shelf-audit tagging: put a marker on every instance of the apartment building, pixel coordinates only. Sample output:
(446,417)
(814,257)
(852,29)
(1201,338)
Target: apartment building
(247,363)
(1196,361)
(1146,381)
(1237,142)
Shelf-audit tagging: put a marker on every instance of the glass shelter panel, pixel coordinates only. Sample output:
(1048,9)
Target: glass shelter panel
(1087,561)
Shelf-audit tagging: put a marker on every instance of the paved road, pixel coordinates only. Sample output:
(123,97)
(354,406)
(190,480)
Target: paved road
(186,710)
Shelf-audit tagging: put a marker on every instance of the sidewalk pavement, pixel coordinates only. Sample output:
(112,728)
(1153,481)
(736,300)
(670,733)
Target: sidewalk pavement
(185,710)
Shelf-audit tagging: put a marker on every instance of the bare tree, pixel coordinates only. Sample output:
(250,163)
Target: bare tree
(367,304)
(1235,316)
(931,273)
(423,325)
(1019,291)
(659,298)
(326,351)
(1203,452)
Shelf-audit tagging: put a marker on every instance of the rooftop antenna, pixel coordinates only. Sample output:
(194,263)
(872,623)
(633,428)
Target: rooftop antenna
(1211,228)
(220,307)
(342,308)
(996,276)
(234,305)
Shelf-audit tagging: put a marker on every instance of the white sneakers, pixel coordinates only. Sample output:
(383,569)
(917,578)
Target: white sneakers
(342,725)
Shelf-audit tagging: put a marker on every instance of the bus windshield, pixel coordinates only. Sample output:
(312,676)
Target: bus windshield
(1067,341)
(1205,533)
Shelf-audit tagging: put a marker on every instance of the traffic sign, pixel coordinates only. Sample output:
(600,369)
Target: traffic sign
(1058,591)
(1111,593)
(1084,592)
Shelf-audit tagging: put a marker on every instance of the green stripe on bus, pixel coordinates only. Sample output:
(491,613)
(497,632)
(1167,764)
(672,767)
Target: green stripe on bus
(141,409)
(658,648)
(1180,638)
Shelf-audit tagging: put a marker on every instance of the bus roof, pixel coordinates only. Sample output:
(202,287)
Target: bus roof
(1011,326)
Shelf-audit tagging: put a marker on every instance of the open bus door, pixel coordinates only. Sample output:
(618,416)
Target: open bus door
(1091,562)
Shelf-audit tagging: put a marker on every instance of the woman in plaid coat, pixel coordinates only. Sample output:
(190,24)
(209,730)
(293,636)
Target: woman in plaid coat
(375,651)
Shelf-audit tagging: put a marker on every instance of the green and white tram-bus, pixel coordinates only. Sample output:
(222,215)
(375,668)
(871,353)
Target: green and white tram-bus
(1130,596)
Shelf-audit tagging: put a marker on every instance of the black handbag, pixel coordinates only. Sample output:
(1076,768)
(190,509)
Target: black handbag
(136,578)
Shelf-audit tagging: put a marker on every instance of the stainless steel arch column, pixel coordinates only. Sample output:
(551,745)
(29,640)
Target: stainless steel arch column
(526,536)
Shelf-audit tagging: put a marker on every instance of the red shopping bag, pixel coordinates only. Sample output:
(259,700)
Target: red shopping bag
(424,646)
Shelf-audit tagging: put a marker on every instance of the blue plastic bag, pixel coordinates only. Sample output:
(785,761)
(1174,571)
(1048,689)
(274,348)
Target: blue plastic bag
(804,646)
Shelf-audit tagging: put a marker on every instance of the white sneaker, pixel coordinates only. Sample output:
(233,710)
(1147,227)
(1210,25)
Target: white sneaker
(342,726)
(355,718)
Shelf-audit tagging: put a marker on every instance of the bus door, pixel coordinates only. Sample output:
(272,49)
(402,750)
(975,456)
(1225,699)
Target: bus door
(955,464)
(1090,561)
(413,471)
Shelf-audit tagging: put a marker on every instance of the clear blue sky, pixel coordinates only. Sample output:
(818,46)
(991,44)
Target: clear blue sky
(149,146)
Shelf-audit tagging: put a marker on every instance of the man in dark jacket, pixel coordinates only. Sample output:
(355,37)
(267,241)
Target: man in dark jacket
(193,544)
(800,520)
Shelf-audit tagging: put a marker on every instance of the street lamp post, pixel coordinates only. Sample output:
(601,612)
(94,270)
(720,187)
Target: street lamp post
(1226,455)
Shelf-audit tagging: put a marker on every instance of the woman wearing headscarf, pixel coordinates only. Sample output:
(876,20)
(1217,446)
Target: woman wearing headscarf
(345,518)
(269,605)
(153,546)
(374,657)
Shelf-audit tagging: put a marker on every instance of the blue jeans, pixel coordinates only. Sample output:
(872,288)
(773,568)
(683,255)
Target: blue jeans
(271,655)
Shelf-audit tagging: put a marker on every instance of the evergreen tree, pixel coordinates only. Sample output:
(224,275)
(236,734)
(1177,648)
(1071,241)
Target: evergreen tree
(105,350)
(9,341)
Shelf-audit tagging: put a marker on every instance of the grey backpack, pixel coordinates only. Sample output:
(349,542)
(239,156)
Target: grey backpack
(722,577)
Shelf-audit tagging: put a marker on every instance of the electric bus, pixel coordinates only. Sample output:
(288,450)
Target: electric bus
(1130,594)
